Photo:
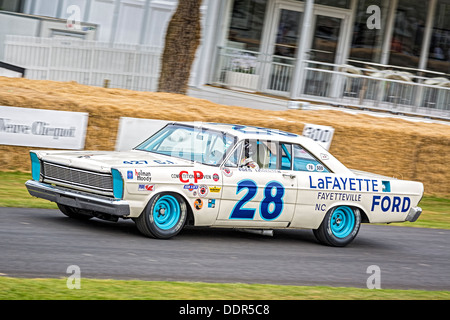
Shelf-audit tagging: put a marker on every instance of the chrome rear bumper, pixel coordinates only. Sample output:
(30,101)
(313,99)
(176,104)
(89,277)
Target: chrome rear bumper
(413,214)
(78,199)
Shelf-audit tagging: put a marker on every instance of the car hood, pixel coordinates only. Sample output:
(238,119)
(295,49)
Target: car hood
(103,161)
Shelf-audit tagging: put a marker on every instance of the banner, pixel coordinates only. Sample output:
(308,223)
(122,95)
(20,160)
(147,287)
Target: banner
(42,128)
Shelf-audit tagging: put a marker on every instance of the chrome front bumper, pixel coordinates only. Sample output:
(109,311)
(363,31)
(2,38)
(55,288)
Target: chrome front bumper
(78,199)
(413,214)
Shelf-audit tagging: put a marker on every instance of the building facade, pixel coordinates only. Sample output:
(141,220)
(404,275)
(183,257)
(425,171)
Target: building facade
(387,54)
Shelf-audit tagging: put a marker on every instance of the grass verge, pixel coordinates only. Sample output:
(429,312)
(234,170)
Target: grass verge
(436,210)
(14,194)
(56,289)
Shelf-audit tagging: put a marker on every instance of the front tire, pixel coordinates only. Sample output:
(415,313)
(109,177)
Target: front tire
(339,227)
(163,217)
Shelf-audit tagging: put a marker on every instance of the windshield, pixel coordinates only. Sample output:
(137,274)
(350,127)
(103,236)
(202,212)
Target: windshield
(191,143)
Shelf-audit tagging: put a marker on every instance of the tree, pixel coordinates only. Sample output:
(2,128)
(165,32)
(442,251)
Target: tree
(182,40)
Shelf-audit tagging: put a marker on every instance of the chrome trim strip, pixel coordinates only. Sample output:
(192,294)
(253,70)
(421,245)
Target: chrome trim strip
(72,184)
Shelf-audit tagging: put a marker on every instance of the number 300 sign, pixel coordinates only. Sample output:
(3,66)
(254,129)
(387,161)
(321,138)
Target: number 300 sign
(321,134)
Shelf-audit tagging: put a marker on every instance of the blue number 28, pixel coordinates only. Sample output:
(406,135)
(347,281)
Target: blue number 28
(264,209)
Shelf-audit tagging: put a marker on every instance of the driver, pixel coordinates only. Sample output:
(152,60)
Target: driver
(249,151)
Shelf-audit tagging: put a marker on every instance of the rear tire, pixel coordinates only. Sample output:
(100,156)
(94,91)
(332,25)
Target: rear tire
(163,217)
(74,213)
(339,227)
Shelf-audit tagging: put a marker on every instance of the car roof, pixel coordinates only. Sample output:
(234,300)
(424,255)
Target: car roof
(249,132)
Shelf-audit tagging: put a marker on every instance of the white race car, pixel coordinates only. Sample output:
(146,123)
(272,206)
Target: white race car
(222,175)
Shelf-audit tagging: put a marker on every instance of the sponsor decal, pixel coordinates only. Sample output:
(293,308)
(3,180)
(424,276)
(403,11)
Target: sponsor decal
(129,174)
(190,187)
(135,162)
(338,196)
(215,189)
(138,162)
(198,204)
(227,172)
(143,175)
(391,204)
(335,196)
(195,177)
(203,191)
(163,162)
(344,184)
(146,187)
(211,203)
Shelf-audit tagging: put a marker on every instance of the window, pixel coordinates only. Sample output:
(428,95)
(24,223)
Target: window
(367,43)
(304,161)
(259,154)
(190,143)
(409,29)
(12,5)
(246,25)
(439,54)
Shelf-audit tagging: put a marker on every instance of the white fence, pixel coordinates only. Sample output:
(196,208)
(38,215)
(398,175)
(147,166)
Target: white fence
(132,67)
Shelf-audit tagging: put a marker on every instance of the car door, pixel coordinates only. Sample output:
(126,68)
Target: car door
(262,194)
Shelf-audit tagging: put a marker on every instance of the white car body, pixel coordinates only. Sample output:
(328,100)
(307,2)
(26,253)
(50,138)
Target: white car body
(297,193)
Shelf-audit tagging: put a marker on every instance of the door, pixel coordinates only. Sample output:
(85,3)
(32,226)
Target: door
(259,188)
(283,48)
(327,49)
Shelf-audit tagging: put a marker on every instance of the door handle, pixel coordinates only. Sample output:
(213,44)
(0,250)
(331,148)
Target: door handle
(290,175)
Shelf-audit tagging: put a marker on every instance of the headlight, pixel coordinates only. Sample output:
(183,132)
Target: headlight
(35,167)
(117,184)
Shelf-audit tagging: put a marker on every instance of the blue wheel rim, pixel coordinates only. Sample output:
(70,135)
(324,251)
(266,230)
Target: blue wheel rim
(166,212)
(342,222)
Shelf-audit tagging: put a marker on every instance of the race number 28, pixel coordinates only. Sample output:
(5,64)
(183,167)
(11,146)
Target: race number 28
(271,206)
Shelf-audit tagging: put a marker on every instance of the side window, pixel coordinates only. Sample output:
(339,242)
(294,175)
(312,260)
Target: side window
(304,161)
(259,154)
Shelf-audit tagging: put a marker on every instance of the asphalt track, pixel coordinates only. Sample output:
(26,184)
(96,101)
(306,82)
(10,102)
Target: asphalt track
(44,243)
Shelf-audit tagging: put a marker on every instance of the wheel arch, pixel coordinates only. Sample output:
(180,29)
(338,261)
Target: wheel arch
(362,211)
(190,221)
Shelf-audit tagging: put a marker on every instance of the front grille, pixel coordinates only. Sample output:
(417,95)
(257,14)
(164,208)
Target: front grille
(78,177)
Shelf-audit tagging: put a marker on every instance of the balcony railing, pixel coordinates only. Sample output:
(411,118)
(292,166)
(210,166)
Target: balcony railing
(395,91)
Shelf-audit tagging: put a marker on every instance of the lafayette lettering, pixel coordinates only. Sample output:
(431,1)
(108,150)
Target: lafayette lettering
(344,184)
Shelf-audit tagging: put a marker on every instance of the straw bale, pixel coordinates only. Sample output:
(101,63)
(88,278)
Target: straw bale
(389,146)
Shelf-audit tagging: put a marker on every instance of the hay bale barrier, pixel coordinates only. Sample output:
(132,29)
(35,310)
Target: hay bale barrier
(388,146)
